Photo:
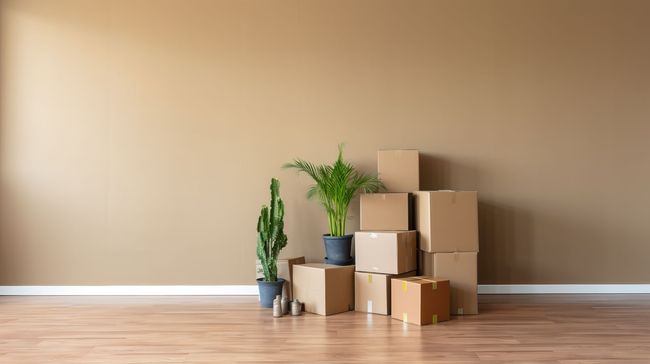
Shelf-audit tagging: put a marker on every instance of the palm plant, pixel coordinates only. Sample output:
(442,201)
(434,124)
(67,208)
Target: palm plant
(335,186)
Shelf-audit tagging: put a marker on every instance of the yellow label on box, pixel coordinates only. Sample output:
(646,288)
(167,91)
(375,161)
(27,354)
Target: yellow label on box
(434,319)
(405,317)
(369,278)
(434,285)
(404,286)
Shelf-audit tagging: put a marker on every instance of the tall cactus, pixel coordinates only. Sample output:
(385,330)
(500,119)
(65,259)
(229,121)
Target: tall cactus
(270,233)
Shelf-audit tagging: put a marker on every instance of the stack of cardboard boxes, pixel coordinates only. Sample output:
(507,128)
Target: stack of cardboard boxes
(448,225)
(386,248)
(388,258)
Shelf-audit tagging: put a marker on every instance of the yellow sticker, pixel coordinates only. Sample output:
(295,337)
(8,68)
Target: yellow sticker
(404,286)
(369,278)
(405,317)
(434,285)
(434,319)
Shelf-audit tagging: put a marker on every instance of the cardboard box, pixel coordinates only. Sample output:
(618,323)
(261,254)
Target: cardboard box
(420,300)
(390,252)
(285,271)
(399,169)
(372,291)
(447,221)
(460,269)
(386,211)
(324,289)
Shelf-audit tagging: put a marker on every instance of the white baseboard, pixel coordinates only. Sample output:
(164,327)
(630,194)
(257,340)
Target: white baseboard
(240,290)
(251,290)
(562,288)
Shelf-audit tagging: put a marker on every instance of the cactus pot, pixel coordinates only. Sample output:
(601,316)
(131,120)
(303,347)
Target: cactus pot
(338,248)
(268,291)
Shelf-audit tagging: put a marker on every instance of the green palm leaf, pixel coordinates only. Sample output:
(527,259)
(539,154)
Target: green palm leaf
(335,186)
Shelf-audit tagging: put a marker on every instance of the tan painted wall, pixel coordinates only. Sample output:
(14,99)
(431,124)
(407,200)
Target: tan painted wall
(138,137)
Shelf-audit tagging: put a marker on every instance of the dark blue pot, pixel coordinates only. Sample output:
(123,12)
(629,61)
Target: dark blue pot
(338,248)
(268,291)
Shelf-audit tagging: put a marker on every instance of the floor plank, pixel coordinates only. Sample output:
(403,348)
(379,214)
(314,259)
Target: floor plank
(563,329)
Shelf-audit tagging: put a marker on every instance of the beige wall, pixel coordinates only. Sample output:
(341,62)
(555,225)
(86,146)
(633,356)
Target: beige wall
(138,137)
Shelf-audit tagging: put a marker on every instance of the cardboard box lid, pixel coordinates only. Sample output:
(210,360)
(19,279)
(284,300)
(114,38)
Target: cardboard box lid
(324,266)
(390,252)
(422,280)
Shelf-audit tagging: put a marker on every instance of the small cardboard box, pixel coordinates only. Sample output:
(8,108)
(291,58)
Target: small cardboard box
(386,211)
(372,291)
(325,289)
(420,300)
(390,252)
(460,269)
(447,221)
(285,271)
(399,169)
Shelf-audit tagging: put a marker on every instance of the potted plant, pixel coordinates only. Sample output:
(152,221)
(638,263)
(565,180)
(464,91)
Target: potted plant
(335,186)
(270,240)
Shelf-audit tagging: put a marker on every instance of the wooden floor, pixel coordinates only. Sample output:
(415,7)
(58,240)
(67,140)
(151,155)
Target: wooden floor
(510,329)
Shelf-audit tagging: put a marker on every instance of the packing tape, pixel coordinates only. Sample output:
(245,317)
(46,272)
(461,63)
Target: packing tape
(373,235)
(369,306)
(369,278)
(404,286)
(405,317)
(434,319)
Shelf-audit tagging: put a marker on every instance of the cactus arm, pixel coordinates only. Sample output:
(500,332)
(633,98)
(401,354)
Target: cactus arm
(262,240)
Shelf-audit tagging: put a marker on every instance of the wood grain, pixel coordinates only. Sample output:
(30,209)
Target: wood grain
(567,329)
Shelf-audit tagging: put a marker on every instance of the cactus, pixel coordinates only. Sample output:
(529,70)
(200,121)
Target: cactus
(270,233)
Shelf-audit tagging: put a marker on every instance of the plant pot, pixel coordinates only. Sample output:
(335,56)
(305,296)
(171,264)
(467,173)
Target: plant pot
(338,248)
(268,291)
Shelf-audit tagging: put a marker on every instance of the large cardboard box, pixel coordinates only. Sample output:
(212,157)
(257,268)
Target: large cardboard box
(447,221)
(390,252)
(420,300)
(386,211)
(399,169)
(325,289)
(372,291)
(285,271)
(460,269)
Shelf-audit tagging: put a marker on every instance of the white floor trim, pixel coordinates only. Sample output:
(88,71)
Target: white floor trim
(562,288)
(241,290)
(251,290)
